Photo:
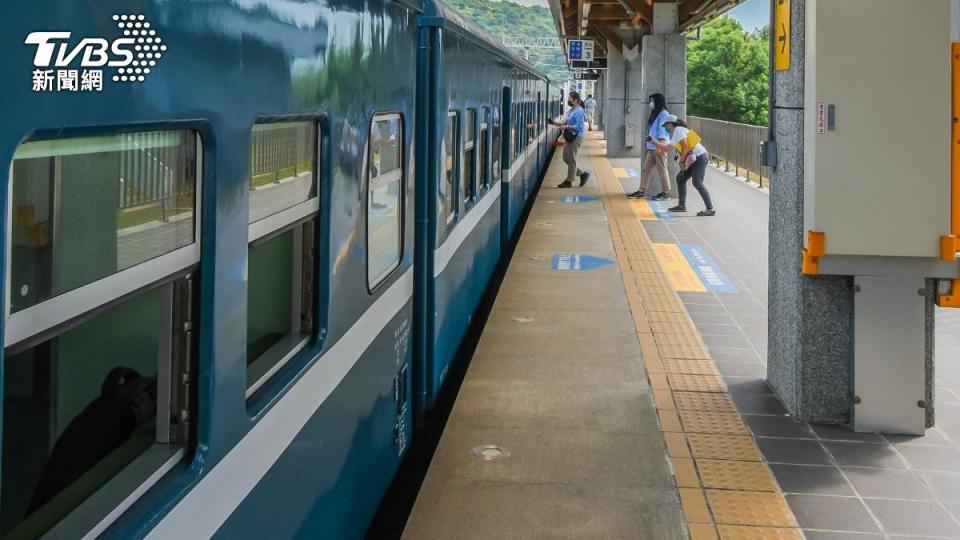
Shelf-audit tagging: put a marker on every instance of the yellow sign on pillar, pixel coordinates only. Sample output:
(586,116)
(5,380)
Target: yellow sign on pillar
(781,36)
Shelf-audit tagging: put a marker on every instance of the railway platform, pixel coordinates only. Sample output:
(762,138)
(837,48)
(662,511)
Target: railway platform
(618,391)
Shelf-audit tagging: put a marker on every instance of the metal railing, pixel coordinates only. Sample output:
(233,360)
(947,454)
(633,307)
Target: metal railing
(152,171)
(735,146)
(280,150)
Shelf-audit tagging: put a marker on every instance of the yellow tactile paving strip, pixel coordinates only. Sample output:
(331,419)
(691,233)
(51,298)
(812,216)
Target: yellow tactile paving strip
(726,490)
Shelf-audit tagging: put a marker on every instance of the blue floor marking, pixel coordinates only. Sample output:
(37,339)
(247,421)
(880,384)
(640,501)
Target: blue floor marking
(577,262)
(579,198)
(708,270)
(660,208)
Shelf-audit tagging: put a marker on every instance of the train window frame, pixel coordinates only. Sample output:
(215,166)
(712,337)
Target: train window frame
(174,277)
(483,176)
(301,221)
(496,145)
(468,178)
(269,224)
(451,196)
(47,315)
(399,174)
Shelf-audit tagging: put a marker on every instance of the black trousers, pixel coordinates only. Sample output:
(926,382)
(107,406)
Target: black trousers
(697,171)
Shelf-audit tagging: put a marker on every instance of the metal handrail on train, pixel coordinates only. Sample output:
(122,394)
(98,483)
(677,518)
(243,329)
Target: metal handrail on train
(736,145)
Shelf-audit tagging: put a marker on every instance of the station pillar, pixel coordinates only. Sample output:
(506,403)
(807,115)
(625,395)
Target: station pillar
(661,67)
(810,329)
(837,329)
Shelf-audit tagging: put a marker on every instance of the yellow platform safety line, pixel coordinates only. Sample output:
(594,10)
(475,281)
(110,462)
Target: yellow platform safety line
(726,489)
(641,208)
(678,269)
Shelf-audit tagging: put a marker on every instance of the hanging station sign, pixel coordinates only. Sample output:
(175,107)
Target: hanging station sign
(580,49)
(596,63)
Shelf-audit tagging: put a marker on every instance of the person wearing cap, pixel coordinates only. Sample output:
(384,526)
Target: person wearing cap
(655,159)
(575,124)
(694,159)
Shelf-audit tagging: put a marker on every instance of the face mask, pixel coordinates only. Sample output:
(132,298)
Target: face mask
(570,102)
(652,106)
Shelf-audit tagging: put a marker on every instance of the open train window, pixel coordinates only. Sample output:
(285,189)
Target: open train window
(484,148)
(384,197)
(449,186)
(496,146)
(99,344)
(281,261)
(469,174)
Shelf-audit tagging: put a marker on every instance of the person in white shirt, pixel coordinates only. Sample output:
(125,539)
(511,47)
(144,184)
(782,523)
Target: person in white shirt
(693,164)
(590,107)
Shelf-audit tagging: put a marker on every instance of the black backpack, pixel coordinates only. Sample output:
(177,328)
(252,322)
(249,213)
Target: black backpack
(126,401)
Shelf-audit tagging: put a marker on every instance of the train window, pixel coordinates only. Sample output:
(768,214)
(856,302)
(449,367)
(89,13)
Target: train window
(384,197)
(469,174)
(530,126)
(484,148)
(449,186)
(281,257)
(99,342)
(283,157)
(496,146)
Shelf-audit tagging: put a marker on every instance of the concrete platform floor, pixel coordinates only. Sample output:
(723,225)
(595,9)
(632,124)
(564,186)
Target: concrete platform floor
(839,484)
(556,381)
(560,383)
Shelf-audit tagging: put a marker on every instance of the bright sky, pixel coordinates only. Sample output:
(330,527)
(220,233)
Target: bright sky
(752,14)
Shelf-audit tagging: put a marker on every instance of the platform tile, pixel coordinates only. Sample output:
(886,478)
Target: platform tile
(704,401)
(750,508)
(739,475)
(712,422)
(714,446)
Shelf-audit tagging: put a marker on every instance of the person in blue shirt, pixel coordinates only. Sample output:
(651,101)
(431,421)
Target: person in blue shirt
(574,123)
(655,158)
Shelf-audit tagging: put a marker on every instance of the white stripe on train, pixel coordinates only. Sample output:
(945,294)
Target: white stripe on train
(218,494)
(446,250)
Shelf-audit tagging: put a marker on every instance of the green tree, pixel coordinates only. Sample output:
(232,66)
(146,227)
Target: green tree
(503,19)
(727,73)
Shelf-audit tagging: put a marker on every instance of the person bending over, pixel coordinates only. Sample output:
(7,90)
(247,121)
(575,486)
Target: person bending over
(693,163)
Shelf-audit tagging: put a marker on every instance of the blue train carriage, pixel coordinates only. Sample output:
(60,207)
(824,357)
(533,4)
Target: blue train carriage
(528,142)
(207,269)
(475,188)
(554,113)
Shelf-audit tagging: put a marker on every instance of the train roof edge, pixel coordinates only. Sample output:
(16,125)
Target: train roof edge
(437,8)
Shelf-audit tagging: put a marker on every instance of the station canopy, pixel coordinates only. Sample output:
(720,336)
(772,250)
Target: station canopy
(616,21)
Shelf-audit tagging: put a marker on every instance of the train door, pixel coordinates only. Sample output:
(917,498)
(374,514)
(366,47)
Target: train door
(507,159)
(540,150)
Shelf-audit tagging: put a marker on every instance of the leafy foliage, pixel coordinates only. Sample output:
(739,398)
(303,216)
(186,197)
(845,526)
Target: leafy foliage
(503,19)
(727,73)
